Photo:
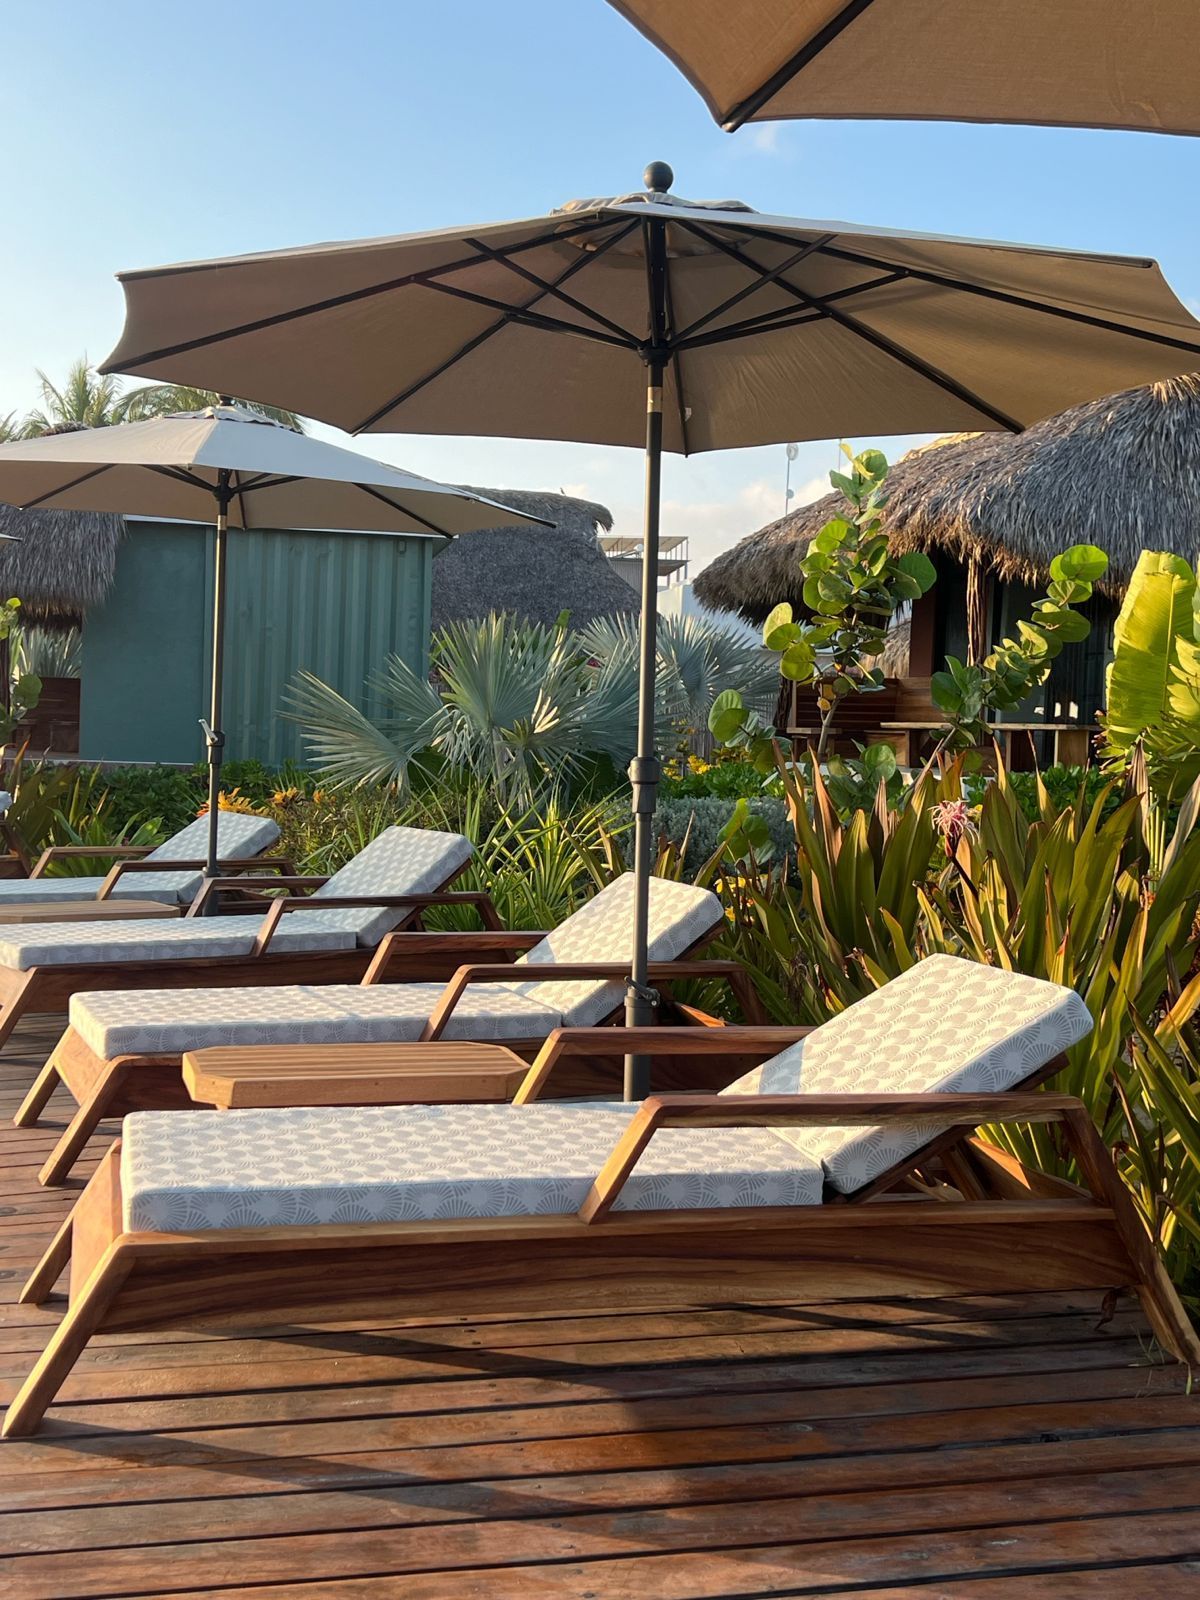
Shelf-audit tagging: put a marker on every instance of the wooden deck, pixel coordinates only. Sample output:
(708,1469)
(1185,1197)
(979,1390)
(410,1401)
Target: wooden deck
(919,1450)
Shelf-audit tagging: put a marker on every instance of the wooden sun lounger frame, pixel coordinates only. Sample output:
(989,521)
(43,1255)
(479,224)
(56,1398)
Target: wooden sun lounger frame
(600,1259)
(114,1086)
(49,988)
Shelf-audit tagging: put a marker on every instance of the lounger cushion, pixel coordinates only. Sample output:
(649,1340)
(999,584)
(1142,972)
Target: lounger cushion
(169,1021)
(42,944)
(397,861)
(187,1170)
(944,1026)
(680,914)
(238,836)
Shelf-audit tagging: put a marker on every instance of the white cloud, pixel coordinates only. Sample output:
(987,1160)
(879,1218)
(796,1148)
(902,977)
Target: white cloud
(765,139)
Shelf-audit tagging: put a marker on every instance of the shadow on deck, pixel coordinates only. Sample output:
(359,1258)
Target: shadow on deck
(1008,1448)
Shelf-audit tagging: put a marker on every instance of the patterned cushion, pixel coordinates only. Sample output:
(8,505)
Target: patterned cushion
(116,1022)
(237,836)
(186,1170)
(42,944)
(944,1026)
(398,861)
(603,931)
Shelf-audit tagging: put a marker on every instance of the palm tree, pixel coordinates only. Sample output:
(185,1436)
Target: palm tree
(160,399)
(86,400)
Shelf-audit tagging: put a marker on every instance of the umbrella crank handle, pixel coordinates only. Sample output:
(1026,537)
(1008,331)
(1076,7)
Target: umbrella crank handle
(214,742)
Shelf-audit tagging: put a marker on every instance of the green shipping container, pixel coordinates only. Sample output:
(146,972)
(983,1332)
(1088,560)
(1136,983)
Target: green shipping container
(334,603)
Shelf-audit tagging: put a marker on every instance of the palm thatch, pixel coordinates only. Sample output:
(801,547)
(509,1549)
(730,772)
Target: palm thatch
(533,573)
(1122,473)
(63,565)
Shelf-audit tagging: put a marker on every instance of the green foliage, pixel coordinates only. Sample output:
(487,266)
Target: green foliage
(1064,895)
(88,400)
(518,705)
(1060,786)
(696,826)
(1153,688)
(45,653)
(854,782)
(853,586)
(967,694)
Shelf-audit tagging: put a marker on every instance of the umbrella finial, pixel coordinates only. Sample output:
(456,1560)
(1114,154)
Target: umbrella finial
(658,177)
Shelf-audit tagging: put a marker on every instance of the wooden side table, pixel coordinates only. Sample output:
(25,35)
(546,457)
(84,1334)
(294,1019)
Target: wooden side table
(440,1072)
(88,911)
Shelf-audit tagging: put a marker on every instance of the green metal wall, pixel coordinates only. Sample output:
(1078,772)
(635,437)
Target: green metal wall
(334,603)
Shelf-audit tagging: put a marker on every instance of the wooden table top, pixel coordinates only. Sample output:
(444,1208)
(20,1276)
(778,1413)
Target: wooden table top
(441,1072)
(88,911)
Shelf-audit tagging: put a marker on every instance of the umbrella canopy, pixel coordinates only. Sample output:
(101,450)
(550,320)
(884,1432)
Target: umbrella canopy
(773,328)
(231,467)
(172,467)
(693,326)
(1095,63)
(1118,473)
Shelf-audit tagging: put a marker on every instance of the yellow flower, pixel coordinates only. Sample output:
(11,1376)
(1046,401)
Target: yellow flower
(319,797)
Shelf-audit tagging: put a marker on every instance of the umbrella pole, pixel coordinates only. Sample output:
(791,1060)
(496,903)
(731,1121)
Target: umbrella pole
(214,736)
(641,1001)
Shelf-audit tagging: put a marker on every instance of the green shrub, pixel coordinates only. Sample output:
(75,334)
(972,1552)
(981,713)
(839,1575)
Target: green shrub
(700,821)
(1062,785)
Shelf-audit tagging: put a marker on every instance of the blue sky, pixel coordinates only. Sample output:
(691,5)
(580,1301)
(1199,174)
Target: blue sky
(141,131)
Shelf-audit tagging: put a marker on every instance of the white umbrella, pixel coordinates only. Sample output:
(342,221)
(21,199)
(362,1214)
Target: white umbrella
(242,470)
(689,326)
(1092,63)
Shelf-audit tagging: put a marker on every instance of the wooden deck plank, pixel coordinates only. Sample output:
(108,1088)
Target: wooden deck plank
(971,1448)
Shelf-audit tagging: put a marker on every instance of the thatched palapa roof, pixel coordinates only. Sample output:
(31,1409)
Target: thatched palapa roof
(63,564)
(1122,473)
(535,573)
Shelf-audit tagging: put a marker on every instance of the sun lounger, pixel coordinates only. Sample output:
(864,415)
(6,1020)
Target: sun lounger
(266,1217)
(123,1049)
(171,872)
(328,936)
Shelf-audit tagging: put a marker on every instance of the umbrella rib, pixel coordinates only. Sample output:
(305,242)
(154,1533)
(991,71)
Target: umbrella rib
(553,289)
(786,316)
(754,288)
(259,324)
(65,488)
(583,260)
(805,56)
(880,341)
(1006,297)
(530,319)
(377,494)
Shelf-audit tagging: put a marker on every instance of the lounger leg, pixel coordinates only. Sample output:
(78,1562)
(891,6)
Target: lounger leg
(49,1269)
(83,1124)
(28,1406)
(1171,1324)
(15,1009)
(34,1102)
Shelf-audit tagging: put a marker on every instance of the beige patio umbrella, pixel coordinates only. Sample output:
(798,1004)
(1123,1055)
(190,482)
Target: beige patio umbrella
(237,469)
(645,318)
(1091,63)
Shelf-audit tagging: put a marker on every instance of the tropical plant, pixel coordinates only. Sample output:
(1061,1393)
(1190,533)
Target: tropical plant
(517,703)
(853,586)
(85,400)
(697,660)
(967,693)
(162,399)
(1153,686)
(44,653)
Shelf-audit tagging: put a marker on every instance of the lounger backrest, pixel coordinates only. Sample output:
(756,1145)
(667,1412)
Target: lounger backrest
(238,836)
(398,861)
(944,1026)
(680,914)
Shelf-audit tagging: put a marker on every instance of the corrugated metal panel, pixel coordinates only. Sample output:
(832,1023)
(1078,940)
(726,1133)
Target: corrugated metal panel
(334,603)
